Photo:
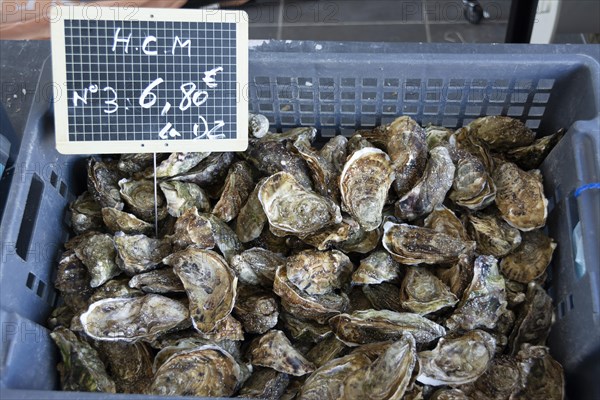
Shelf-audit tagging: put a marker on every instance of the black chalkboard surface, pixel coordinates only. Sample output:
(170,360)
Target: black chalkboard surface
(157,80)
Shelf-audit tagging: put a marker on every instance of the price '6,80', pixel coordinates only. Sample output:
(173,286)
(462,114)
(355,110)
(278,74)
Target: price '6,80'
(191,95)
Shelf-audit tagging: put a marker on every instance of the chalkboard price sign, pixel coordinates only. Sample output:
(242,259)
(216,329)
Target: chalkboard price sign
(160,80)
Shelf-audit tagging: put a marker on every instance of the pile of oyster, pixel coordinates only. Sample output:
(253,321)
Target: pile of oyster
(402,262)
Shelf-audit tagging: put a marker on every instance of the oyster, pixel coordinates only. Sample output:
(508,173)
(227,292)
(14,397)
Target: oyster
(136,162)
(236,190)
(265,383)
(499,382)
(449,394)
(443,220)
(437,135)
(385,296)
(500,133)
(178,163)
(290,136)
(81,368)
(493,235)
(315,307)
(275,351)
(483,301)
(158,281)
(293,209)
(181,196)
(117,287)
(541,376)
(423,293)
(376,268)
(86,214)
(359,240)
(334,234)
(325,351)
(209,284)
(520,197)
(430,190)
(139,253)
(129,364)
(97,253)
(139,197)
(251,219)
(414,245)
(228,328)
(456,361)
(257,311)
(258,125)
(210,171)
(530,157)
(192,229)
(458,276)
(116,221)
(357,142)
(225,239)
(304,330)
(131,319)
(364,184)
(515,293)
(534,319)
(256,266)
(323,171)
(203,371)
(370,326)
(316,272)
(102,183)
(73,281)
(61,316)
(407,147)
(473,188)
(335,152)
(530,260)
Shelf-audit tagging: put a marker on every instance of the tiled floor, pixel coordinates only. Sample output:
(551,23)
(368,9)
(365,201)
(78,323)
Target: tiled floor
(374,20)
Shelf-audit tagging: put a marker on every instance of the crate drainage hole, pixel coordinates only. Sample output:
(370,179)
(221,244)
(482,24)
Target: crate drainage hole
(63,189)
(28,221)
(41,289)
(30,281)
(53,179)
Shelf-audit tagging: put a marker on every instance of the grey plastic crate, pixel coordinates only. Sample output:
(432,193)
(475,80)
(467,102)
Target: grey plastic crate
(339,87)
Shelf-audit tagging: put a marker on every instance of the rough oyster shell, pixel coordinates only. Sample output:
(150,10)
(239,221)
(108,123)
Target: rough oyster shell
(484,301)
(520,197)
(445,221)
(73,281)
(131,319)
(493,235)
(385,296)
(209,283)
(456,361)
(181,196)
(192,229)
(158,281)
(430,190)
(412,245)
(304,330)
(258,125)
(437,135)
(530,157)
(449,394)
(265,383)
(335,152)
(364,184)
(458,276)
(251,219)
(139,253)
(256,266)
(236,190)
(274,350)
(423,293)
(117,287)
(473,188)
(323,171)
(228,328)
(102,181)
(291,208)
(209,171)
(499,382)
(325,351)
(371,326)
(530,260)
(500,133)
(316,272)
(136,162)
(129,364)
(257,311)
(534,319)
(86,214)
(376,268)
(225,238)
(178,163)
(139,197)
(97,253)
(116,221)
(81,368)
(541,376)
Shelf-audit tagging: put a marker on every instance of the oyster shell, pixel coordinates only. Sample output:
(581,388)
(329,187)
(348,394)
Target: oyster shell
(258,125)
(385,296)
(483,301)
(520,197)
(360,241)
(473,188)
(116,221)
(323,171)
(203,371)
(458,276)
(530,157)
(456,361)
(423,293)
(290,136)
(430,190)
(449,394)
(192,229)
(274,350)
(291,208)
(178,163)
(334,234)
(256,266)
(102,181)
(316,272)
(236,190)
(81,368)
(376,268)
(139,197)
(443,220)
(500,133)
(257,311)
(493,235)
(225,239)
(364,184)
(181,196)
(129,364)
(228,328)
(97,253)
(534,319)
(158,281)
(414,245)
(335,152)
(209,171)
(325,351)
(530,260)
(371,326)
(86,214)
(541,376)
(437,135)
(499,382)
(265,383)
(139,253)
(251,219)
(131,319)
(73,281)
(315,307)
(117,287)
(209,283)
(304,330)
(357,142)
(407,147)
(136,162)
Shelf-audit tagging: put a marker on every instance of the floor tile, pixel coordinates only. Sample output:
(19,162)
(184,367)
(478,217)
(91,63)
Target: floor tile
(375,33)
